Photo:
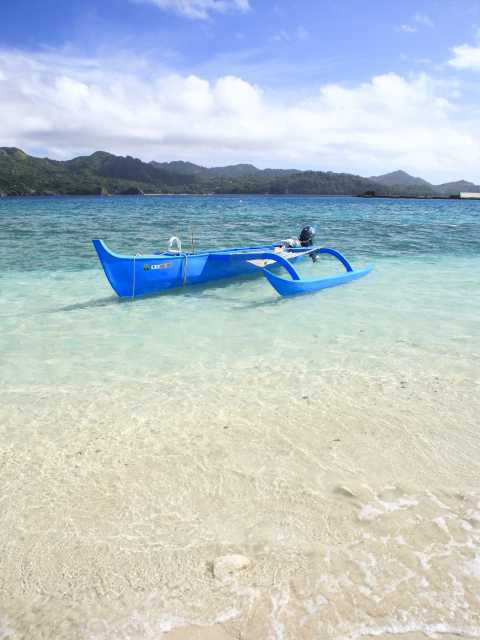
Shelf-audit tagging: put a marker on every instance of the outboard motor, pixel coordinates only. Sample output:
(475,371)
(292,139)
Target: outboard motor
(306,237)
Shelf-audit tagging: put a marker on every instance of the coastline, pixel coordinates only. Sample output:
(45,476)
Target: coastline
(240,194)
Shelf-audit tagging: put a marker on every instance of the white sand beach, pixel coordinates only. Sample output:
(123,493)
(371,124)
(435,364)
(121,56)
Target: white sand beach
(357,507)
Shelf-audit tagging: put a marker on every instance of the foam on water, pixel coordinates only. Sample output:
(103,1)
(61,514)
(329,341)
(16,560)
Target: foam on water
(332,439)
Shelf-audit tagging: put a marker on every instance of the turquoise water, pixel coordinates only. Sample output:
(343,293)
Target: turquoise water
(62,323)
(332,439)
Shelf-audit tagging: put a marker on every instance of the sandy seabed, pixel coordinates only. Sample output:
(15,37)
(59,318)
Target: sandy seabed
(355,497)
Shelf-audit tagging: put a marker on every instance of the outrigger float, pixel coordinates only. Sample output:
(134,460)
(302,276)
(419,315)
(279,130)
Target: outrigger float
(140,275)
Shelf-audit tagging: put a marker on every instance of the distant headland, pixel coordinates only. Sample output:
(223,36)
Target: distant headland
(103,173)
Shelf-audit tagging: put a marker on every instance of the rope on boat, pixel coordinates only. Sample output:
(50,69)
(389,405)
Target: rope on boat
(134,276)
(185,265)
(174,240)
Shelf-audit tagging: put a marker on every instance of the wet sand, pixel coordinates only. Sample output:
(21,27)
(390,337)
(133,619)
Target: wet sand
(355,496)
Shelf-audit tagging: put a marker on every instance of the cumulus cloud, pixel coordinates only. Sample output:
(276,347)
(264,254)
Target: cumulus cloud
(67,106)
(199,9)
(466,57)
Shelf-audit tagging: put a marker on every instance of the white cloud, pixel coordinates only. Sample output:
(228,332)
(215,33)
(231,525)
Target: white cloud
(199,9)
(281,36)
(466,57)
(423,19)
(407,28)
(300,33)
(67,106)
(418,20)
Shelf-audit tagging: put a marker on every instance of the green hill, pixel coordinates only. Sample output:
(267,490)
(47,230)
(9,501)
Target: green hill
(102,172)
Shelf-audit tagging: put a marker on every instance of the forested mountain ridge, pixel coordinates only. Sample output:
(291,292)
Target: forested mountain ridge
(397,178)
(103,172)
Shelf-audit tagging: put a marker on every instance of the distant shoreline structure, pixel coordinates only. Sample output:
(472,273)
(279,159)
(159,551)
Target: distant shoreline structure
(461,196)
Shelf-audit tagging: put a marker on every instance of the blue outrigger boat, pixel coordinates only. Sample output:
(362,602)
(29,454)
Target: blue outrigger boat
(139,275)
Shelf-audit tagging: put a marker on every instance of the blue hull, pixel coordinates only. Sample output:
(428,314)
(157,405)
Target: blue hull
(289,288)
(132,276)
(296,286)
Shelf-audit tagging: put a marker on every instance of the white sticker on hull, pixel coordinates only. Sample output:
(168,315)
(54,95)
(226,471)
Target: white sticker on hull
(163,265)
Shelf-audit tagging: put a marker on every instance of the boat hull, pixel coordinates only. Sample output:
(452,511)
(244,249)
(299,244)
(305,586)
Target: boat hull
(132,276)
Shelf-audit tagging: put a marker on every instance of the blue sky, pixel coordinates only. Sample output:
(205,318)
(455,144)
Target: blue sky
(363,87)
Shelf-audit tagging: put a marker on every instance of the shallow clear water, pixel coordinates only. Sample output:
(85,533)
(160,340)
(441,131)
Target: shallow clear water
(62,323)
(332,439)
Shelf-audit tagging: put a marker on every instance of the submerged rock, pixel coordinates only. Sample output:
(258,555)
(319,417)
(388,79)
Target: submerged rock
(226,566)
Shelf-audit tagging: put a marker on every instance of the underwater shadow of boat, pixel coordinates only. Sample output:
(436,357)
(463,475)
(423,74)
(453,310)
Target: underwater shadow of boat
(77,306)
(89,304)
(200,291)
(205,290)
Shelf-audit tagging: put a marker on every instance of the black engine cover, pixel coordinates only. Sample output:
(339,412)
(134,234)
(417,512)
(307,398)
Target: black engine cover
(307,236)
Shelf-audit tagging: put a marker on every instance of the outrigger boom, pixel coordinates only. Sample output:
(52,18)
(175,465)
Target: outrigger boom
(138,275)
(298,286)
